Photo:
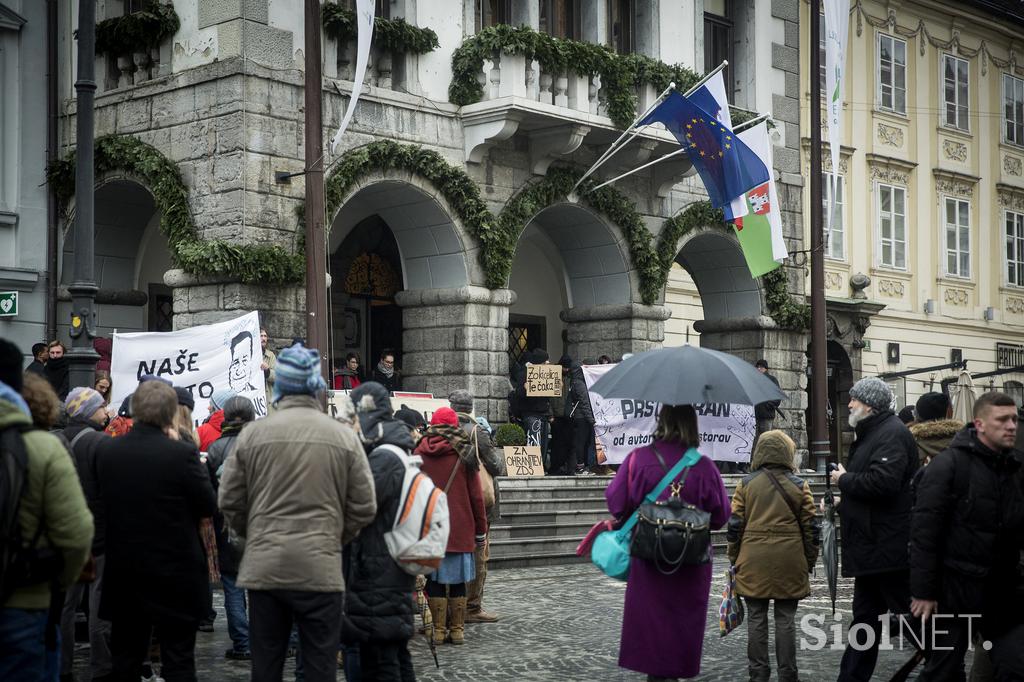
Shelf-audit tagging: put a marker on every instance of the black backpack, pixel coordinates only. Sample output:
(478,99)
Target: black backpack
(21,563)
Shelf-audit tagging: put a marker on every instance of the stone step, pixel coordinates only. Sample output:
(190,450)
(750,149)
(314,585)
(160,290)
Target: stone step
(591,514)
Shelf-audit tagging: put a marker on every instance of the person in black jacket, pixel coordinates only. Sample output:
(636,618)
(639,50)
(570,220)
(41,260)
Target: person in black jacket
(155,491)
(874,510)
(386,373)
(238,411)
(581,413)
(40,354)
(965,544)
(56,369)
(535,411)
(87,417)
(378,599)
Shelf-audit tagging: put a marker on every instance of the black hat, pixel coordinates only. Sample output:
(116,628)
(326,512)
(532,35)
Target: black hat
(906,415)
(932,406)
(411,417)
(126,407)
(185,397)
(11,361)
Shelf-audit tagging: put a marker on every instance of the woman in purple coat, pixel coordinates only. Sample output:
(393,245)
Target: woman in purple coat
(664,618)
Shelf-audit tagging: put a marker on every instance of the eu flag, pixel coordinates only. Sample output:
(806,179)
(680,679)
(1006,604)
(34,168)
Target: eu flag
(728,167)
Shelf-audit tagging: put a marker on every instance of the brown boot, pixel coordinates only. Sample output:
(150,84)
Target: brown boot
(438,617)
(456,628)
(481,616)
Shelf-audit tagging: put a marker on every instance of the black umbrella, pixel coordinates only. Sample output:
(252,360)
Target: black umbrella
(830,547)
(688,375)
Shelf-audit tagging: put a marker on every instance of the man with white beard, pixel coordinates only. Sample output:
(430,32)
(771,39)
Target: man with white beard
(875,518)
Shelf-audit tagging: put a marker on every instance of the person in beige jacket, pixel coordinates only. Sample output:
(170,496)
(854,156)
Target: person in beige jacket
(297,489)
(773,545)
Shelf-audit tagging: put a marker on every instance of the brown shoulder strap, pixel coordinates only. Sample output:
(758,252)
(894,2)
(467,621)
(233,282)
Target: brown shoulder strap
(455,470)
(787,498)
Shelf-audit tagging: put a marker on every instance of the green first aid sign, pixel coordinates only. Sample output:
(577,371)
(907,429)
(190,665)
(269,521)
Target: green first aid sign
(8,303)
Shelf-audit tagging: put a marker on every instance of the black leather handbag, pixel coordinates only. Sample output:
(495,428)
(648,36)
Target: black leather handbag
(672,533)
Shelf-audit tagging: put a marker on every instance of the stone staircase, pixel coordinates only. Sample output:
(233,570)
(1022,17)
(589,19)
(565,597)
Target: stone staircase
(544,519)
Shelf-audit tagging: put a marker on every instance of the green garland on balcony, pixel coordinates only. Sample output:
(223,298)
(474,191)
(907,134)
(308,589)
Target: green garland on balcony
(250,263)
(620,74)
(139,31)
(394,35)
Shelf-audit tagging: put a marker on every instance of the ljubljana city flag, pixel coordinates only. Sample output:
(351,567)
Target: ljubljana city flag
(760,231)
(711,97)
(726,165)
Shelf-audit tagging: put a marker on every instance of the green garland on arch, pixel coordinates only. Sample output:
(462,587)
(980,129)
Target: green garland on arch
(393,35)
(250,263)
(138,31)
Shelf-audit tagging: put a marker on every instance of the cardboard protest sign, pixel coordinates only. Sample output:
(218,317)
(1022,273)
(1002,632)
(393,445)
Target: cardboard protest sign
(624,424)
(202,359)
(522,461)
(544,381)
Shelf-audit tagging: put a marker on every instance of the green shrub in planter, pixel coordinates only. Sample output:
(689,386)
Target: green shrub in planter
(509,435)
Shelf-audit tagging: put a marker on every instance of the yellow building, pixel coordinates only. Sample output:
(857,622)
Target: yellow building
(930,205)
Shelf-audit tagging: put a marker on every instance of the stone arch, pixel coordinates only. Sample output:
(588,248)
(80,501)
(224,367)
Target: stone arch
(715,261)
(436,251)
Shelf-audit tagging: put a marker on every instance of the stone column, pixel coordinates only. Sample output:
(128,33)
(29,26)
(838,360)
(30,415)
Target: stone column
(613,330)
(458,338)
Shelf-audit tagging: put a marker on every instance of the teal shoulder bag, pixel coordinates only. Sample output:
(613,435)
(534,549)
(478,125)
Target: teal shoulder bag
(610,552)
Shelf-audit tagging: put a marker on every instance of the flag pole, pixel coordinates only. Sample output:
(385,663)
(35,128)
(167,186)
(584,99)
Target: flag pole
(612,150)
(708,76)
(637,170)
(751,123)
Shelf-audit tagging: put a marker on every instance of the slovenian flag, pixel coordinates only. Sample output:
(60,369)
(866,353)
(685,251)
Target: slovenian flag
(760,231)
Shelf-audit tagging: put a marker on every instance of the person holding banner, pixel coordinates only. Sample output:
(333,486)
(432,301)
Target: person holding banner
(665,614)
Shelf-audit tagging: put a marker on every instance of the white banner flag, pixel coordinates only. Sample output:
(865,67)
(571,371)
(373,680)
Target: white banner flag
(202,359)
(837,22)
(625,424)
(364,31)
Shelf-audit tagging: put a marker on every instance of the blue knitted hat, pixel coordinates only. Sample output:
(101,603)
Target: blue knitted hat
(297,372)
(220,397)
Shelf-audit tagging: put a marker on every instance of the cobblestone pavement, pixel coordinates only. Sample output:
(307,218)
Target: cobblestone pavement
(562,623)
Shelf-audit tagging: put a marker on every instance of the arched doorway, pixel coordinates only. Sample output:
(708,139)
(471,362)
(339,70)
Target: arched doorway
(390,235)
(728,298)
(131,258)
(566,258)
(840,380)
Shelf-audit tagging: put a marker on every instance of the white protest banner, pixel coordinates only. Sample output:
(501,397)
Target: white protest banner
(425,406)
(364,32)
(621,424)
(726,431)
(624,424)
(202,359)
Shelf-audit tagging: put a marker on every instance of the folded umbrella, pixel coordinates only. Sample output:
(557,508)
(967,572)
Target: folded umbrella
(830,547)
(687,375)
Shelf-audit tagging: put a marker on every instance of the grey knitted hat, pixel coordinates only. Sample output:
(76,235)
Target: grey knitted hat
(873,392)
(461,400)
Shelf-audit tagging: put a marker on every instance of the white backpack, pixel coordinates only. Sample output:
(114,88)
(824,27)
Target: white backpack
(419,537)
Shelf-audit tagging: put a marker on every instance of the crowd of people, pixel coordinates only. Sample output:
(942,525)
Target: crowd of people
(142,514)
(932,533)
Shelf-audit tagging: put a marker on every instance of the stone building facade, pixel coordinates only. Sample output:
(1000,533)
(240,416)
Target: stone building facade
(452,237)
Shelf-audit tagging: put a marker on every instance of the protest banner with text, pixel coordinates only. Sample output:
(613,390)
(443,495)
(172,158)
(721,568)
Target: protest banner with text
(522,461)
(544,381)
(201,359)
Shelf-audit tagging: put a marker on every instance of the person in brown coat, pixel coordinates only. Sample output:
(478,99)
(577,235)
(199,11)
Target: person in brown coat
(773,544)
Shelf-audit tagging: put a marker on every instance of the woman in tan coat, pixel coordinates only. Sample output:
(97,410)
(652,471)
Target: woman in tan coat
(773,543)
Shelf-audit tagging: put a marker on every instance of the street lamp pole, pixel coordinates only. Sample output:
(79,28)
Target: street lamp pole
(819,441)
(82,357)
(316,247)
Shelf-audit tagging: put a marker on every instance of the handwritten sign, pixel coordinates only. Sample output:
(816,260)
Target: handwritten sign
(522,461)
(544,381)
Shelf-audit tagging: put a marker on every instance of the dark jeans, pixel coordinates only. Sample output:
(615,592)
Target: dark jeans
(873,595)
(582,438)
(318,616)
(785,639)
(23,653)
(129,647)
(1008,655)
(561,446)
(234,607)
(99,630)
(386,661)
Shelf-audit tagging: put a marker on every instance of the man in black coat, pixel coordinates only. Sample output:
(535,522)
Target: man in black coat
(581,414)
(378,603)
(875,515)
(155,491)
(965,546)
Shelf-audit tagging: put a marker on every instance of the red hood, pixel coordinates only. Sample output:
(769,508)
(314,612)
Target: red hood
(104,347)
(434,446)
(216,420)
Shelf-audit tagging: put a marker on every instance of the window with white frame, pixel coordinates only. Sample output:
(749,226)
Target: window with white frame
(834,237)
(955,93)
(892,226)
(892,74)
(1013,109)
(958,237)
(1015,248)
